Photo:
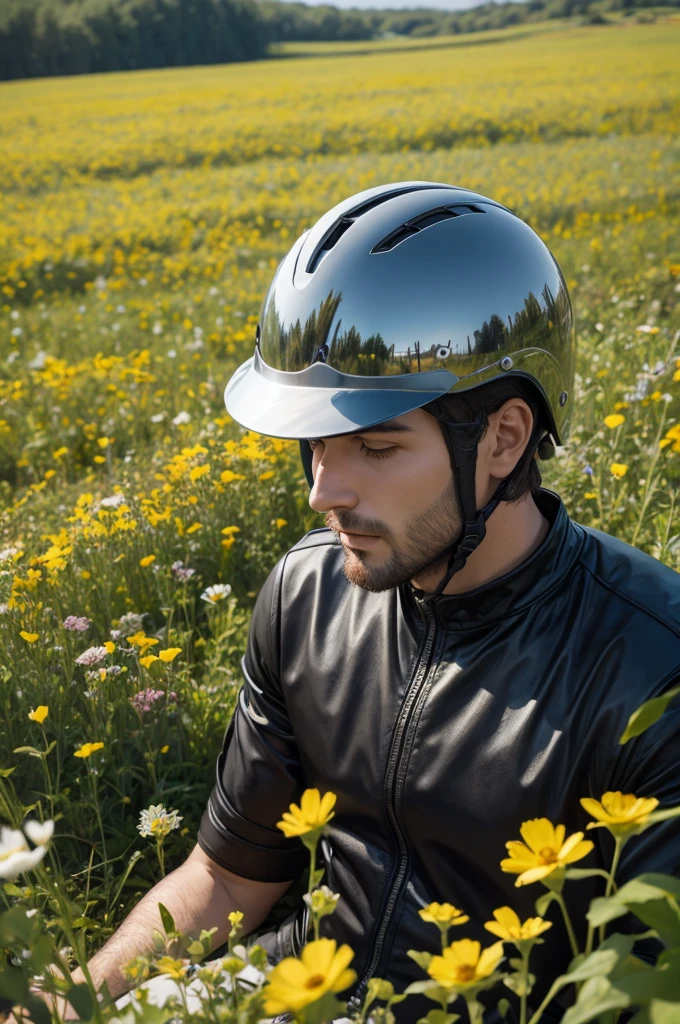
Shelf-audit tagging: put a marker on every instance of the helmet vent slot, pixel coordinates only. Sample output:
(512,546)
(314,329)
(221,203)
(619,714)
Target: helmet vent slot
(335,233)
(425,220)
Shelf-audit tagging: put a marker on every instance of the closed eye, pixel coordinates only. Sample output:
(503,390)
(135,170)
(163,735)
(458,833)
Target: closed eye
(370,453)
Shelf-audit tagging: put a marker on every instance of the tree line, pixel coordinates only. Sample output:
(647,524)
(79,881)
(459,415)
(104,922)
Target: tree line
(65,37)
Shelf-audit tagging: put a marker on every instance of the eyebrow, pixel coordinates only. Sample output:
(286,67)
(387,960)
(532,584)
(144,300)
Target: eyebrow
(392,427)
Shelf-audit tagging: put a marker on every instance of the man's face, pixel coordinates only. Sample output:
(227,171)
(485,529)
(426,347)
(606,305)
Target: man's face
(393,483)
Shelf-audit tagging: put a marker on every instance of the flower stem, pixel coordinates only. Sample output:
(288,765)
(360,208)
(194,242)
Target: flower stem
(161,856)
(567,922)
(525,986)
(619,842)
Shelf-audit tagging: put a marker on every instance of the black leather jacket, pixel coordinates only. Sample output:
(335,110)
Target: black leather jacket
(442,731)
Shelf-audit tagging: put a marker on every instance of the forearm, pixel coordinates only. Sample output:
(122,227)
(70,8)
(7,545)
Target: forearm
(195,898)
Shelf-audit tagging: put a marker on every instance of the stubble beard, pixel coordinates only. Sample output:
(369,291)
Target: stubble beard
(429,534)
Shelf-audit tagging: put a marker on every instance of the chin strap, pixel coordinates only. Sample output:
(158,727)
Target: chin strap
(462,440)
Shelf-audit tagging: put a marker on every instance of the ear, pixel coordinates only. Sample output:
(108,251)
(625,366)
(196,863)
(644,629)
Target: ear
(507,436)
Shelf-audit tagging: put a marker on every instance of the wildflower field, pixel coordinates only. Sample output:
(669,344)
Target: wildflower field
(142,216)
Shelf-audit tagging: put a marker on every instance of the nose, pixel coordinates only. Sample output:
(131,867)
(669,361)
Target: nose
(332,485)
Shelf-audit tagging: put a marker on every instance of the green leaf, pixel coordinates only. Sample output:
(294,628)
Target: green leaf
(439,1017)
(662,1012)
(12,890)
(668,883)
(595,998)
(28,750)
(518,984)
(196,948)
(38,1010)
(85,922)
(647,714)
(598,964)
(577,873)
(422,959)
(167,919)
(503,1007)
(661,983)
(6,772)
(81,1000)
(13,984)
(543,902)
(42,953)
(604,910)
(50,747)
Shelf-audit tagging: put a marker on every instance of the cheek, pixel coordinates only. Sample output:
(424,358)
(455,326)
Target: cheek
(413,484)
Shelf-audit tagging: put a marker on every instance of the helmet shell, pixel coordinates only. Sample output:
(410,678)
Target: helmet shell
(397,296)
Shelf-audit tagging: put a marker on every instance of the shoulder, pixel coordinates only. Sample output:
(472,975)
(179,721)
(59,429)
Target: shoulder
(636,583)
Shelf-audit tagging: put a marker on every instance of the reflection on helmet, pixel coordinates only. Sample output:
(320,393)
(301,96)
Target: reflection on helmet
(404,280)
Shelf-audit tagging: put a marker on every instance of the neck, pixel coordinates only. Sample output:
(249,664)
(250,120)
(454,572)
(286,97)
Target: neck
(513,532)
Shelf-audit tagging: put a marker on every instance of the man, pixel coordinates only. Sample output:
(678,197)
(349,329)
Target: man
(452,655)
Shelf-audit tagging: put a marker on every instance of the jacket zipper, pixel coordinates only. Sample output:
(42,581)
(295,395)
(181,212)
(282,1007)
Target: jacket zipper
(399,879)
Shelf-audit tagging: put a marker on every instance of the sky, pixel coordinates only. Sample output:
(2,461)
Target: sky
(446,5)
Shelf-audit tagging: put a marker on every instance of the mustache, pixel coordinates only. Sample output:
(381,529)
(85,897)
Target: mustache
(334,524)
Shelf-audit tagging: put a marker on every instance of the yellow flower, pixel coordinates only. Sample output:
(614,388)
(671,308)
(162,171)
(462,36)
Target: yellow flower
(40,713)
(314,812)
(443,914)
(621,813)
(174,968)
(589,495)
(170,653)
(267,476)
(110,646)
(463,964)
(165,749)
(235,918)
(30,638)
(507,926)
(615,420)
(194,527)
(103,442)
(87,749)
(148,660)
(619,469)
(294,984)
(545,851)
(280,523)
(147,560)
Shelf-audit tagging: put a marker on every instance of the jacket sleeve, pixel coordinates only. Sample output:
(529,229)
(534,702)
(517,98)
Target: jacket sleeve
(258,771)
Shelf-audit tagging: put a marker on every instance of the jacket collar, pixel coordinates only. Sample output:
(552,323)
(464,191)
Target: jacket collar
(530,581)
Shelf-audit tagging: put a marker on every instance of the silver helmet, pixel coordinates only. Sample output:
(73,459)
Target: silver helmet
(398,296)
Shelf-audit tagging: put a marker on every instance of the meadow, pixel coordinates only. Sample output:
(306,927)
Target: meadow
(142,216)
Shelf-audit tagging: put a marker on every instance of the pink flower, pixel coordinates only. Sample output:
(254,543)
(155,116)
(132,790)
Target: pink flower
(76,623)
(145,699)
(92,656)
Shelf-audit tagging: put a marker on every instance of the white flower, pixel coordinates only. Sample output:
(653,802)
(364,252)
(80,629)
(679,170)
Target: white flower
(157,329)
(216,593)
(8,553)
(38,362)
(92,656)
(180,418)
(158,417)
(39,833)
(113,501)
(156,821)
(644,329)
(15,856)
